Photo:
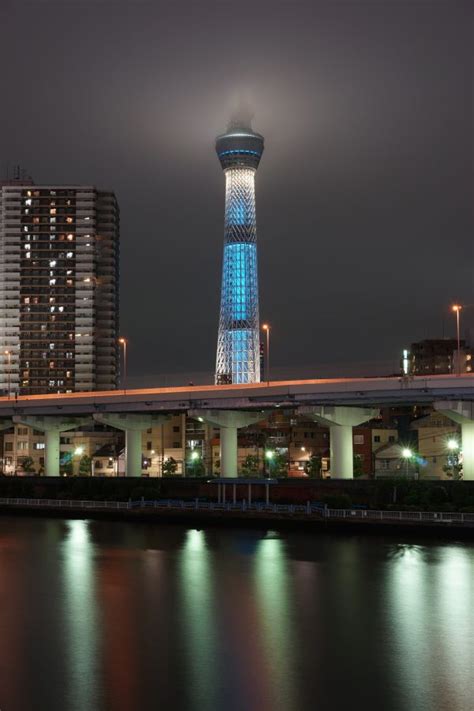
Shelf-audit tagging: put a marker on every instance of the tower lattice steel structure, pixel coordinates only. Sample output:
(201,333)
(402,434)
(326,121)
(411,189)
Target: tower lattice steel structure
(238,342)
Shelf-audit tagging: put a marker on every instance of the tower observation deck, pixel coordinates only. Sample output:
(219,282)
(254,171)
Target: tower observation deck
(238,343)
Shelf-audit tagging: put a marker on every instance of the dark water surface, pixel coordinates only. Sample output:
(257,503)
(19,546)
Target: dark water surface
(97,615)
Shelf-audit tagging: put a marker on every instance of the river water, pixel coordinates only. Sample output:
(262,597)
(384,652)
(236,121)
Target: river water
(125,616)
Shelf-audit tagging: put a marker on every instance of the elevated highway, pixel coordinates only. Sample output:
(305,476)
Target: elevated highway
(357,392)
(340,404)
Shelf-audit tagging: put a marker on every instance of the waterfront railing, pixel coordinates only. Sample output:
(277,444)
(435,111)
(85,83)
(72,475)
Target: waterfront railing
(309,509)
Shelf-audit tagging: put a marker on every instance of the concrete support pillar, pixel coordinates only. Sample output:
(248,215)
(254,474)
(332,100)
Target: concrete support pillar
(462,412)
(340,420)
(229,451)
(52,452)
(133,452)
(229,422)
(133,426)
(467,438)
(341,451)
(52,427)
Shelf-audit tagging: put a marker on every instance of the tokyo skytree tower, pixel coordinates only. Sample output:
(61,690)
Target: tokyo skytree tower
(238,342)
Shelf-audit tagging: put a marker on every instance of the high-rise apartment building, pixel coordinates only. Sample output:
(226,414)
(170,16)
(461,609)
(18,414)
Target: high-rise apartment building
(59,255)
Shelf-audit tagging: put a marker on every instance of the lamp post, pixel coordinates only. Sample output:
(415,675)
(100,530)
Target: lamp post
(9,375)
(457,310)
(123,342)
(266,328)
(406,455)
(269,457)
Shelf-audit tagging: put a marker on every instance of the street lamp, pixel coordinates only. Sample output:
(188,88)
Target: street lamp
(123,342)
(269,454)
(457,310)
(266,328)
(453,445)
(9,361)
(407,454)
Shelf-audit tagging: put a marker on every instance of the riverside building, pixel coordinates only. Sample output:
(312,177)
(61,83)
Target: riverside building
(59,256)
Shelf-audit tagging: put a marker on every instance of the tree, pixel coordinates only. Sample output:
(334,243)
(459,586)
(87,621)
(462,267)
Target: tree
(313,467)
(250,465)
(170,466)
(453,466)
(195,467)
(277,465)
(358,466)
(85,466)
(66,465)
(27,465)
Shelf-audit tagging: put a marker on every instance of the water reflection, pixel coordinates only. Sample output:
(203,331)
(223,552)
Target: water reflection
(119,616)
(80,618)
(199,621)
(272,582)
(432,598)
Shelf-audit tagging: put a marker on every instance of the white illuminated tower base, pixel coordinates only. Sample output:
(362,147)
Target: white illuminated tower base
(238,343)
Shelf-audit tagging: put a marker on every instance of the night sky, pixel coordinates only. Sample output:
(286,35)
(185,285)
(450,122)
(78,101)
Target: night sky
(364,192)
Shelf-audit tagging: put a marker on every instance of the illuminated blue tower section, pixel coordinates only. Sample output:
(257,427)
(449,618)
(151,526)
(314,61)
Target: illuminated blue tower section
(238,342)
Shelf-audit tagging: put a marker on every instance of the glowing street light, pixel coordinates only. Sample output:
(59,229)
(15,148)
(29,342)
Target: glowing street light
(123,342)
(457,310)
(194,455)
(266,328)
(78,451)
(453,445)
(407,454)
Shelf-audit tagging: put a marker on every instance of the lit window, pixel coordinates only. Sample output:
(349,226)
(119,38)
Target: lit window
(69,220)
(69,271)
(28,255)
(52,282)
(70,237)
(52,263)
(28,202)
(69,255)
(52,211)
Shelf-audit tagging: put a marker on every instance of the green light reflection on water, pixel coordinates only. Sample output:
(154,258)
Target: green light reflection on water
(454,584)
(80,617)
(431,606)
(271,583)
(199,625)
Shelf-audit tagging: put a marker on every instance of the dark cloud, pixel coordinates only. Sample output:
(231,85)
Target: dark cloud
(364,192)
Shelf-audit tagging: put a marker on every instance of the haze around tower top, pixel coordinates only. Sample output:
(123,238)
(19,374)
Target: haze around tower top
(241,114)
